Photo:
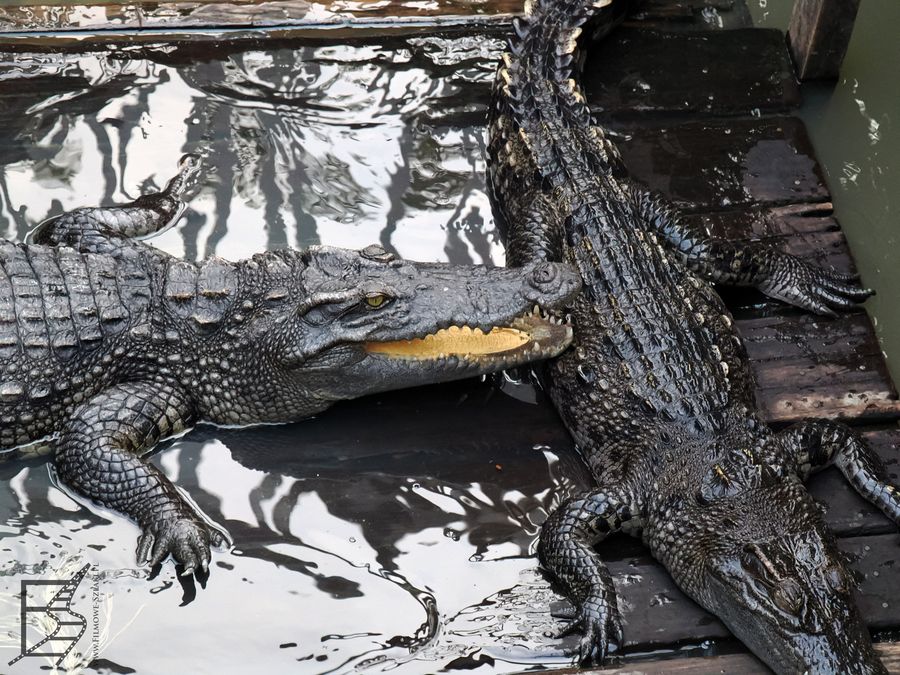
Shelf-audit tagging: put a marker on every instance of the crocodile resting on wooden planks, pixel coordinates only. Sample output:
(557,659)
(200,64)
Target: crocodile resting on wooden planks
(656,389)
(108,345)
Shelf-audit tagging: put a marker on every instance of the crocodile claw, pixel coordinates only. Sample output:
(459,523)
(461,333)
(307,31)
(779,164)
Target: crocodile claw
(601,630)
(812,288)
(187,539)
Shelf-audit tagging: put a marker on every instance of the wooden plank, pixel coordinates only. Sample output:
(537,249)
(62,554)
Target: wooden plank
(462,435)
(761,222)
(733,664)
(810,366)
(29,16)
(181,15)
(460,431)
(692,15)
(623,72)
(724,164)
(819,34)
(631,72)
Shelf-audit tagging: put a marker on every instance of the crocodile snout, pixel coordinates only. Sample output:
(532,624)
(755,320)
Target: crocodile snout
(543,274)
(552,279)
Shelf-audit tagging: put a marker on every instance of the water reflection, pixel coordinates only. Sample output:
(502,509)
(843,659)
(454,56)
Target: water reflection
(364,540)
(324,143)
(391,534)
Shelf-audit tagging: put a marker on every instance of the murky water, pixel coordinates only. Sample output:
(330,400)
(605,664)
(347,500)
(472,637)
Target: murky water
(391,534)
(854,128)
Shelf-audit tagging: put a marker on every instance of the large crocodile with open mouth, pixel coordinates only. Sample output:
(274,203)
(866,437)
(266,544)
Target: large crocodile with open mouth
(657,390)
(108,345)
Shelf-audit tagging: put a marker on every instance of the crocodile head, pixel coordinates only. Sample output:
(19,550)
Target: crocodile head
(776,579)
(337,324)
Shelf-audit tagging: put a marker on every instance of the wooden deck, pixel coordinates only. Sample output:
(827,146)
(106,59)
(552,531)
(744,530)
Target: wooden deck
(702,107)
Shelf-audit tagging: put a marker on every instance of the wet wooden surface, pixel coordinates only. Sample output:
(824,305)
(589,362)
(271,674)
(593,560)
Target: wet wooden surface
(620,74)
(733,664)
(34,16)
(720,144)
(819,34)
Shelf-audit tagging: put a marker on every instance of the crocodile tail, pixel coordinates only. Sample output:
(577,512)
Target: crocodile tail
(549,33)
(535,85)
(539,120)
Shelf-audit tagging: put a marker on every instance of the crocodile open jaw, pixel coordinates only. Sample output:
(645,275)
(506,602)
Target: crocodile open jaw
(534,335)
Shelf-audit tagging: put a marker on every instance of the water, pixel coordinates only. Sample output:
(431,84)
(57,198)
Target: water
(300,146)
(853,126)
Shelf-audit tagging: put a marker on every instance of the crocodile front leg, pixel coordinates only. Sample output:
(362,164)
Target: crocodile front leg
(777,274)
(103,229)
(566,549)
(815,444)
(99,455)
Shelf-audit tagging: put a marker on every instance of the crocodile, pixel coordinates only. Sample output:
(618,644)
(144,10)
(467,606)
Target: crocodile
(656,389)
(109,345)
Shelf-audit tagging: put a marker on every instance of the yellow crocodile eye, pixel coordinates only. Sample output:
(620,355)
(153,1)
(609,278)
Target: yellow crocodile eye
(375,300)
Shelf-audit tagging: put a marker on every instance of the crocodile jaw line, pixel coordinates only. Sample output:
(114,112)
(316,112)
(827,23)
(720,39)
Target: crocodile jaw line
(533,335)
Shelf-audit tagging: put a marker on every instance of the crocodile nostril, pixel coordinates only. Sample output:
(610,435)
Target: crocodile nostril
(544,274)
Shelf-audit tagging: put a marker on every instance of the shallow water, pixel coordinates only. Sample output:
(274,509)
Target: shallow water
(391,534)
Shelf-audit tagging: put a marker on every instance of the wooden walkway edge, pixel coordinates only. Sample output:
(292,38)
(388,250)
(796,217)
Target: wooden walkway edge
(732,664)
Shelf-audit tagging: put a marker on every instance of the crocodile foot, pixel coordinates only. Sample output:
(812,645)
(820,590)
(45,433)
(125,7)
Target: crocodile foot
(812,288)
(187,538)
(601,629)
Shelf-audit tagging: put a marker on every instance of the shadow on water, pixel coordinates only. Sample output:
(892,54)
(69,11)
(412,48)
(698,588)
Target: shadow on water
(392,533)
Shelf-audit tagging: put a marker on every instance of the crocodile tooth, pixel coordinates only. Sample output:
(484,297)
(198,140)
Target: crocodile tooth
(11,391)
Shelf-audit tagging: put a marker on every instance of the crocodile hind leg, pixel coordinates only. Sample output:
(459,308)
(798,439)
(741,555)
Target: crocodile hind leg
(99,456)
(777,274)
(566,549)
(815,444)
(102,229)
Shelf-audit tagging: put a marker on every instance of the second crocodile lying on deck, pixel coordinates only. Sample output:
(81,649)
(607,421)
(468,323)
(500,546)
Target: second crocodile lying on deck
(657,390)
(108,345)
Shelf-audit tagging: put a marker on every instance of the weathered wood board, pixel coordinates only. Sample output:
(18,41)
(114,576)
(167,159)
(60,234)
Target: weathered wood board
(33,16)
(819,34)
(631,72)
(732,664)
(714,164)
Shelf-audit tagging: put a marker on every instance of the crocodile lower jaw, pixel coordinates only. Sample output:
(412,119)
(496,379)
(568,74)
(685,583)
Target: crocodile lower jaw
(534,335)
